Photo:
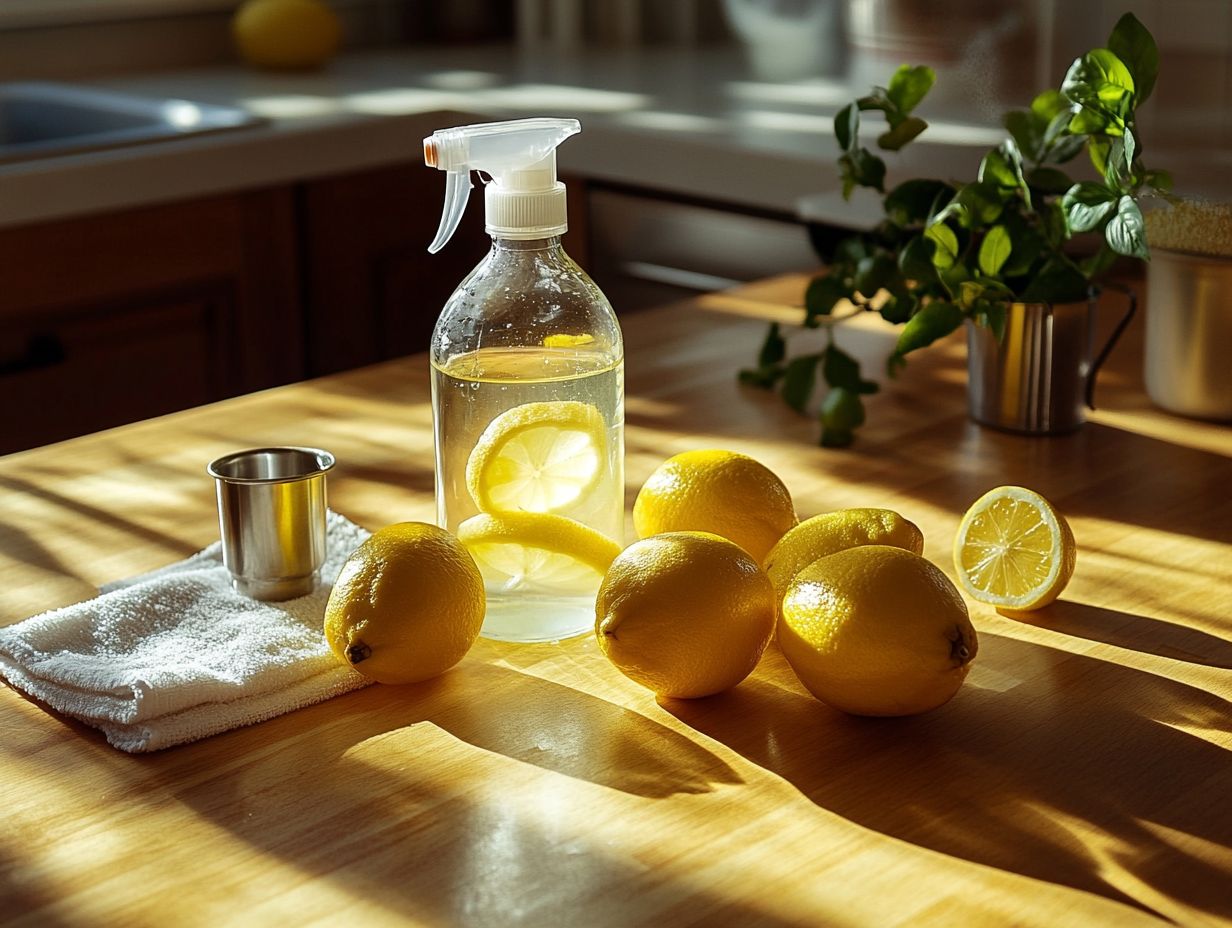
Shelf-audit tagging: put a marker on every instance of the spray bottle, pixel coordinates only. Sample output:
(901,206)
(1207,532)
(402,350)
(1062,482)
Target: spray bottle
(527,390)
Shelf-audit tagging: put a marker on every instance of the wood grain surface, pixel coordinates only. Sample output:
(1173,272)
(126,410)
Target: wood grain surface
(1082,776)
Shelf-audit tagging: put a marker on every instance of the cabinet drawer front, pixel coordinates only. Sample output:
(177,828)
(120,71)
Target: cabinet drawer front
(90,368)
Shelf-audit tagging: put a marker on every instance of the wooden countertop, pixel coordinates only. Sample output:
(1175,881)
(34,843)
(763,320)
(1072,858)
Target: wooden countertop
(1083,775)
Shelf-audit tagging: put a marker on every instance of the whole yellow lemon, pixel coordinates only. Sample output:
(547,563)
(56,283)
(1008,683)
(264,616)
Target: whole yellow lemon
(832,532)
(685,614)
(728,494)
(407,605)
(286,34)
(876,630)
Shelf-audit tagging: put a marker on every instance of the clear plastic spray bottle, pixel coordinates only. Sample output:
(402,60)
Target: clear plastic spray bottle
(527,390)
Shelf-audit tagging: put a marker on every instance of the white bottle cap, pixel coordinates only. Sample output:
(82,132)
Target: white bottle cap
(526,203)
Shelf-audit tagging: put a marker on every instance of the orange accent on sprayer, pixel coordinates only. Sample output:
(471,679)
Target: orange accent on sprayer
(429,153)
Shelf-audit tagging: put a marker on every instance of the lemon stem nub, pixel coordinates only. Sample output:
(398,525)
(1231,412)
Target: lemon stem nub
(958,647)
(358,652)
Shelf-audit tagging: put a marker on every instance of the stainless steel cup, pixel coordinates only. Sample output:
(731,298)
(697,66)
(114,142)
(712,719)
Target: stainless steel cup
(271,513)
(1039,379)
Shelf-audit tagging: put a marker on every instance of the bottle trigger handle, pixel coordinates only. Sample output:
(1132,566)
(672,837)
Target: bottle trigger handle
(457,192)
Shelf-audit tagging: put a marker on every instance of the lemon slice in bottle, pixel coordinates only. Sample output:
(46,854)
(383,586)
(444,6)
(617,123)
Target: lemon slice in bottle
(1014,550)
(538,457)
(539,552)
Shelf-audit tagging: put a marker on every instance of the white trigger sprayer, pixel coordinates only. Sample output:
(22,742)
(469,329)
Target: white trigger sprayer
(524,199)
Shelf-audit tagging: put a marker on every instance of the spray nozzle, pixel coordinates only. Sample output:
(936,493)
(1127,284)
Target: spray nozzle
(524,199)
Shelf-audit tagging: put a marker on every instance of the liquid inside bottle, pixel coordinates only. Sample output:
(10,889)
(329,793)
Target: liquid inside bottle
(527,391)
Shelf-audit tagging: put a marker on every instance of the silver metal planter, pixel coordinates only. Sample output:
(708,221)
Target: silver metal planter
(1040,378)
(1189,334)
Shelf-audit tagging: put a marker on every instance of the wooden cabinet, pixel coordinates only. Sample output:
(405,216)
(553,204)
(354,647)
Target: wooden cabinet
(112,318)
(108,319)
(372,291)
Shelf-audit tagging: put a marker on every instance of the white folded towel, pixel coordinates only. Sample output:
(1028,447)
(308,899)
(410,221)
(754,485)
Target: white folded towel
(176,654)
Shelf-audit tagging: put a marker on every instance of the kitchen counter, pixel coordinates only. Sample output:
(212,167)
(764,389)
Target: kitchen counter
(688,122)
(1080,777)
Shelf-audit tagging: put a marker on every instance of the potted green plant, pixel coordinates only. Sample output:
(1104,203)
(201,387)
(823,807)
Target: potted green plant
(986,251)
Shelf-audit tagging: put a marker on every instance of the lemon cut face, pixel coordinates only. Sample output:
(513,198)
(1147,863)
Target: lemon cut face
(1014,550)
(538,457)
(537,552)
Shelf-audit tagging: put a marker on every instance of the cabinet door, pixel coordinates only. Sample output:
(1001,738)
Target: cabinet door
(373,292)
(128,315)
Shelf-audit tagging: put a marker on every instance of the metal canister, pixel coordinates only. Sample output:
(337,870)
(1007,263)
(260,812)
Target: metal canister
(1189,334)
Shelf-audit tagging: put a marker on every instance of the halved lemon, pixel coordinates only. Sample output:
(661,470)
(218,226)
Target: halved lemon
(535,551)
(538,457)
(1014,550)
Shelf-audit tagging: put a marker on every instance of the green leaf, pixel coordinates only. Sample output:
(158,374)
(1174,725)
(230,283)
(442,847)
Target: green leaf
(1049,104)
(861,167)
(900,306)
(1118,166)
(952,277)
(1027,130)
(1098,80)
(1125,233)
(1049,181)
(875,272)
(1028,245)
(762,377)
(1088,121)
(945,242)
(799,380)
(932,322)
(1087,205)
(1055,225)
(901,134)
(1159,181)
(1133,44)
(1065,147)
(913,201)
(821,295)
(992,315)
(774,348)
(1099,150)
(994,250)
(1058,281)
(847,126)
(974,204)
(842,412)
(909,86)
(996,169)
(915,261)
(842,370)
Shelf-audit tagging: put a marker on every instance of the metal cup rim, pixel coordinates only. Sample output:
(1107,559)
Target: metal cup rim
(325,461)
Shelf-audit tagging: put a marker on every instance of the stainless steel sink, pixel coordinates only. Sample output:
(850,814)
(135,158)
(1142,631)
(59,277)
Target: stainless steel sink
(43,120)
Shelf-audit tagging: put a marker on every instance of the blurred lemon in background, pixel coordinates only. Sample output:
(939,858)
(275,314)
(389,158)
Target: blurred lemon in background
(407,604)
(876,630)
(832,532)
(685,614)
(722,492)
(286,34)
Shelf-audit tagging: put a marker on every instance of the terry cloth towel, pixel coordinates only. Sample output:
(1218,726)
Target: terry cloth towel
(176,654)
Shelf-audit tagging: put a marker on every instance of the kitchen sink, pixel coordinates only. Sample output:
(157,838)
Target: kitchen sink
(43,120)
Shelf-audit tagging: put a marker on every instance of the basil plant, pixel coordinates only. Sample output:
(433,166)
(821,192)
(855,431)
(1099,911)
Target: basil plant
(947,251)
